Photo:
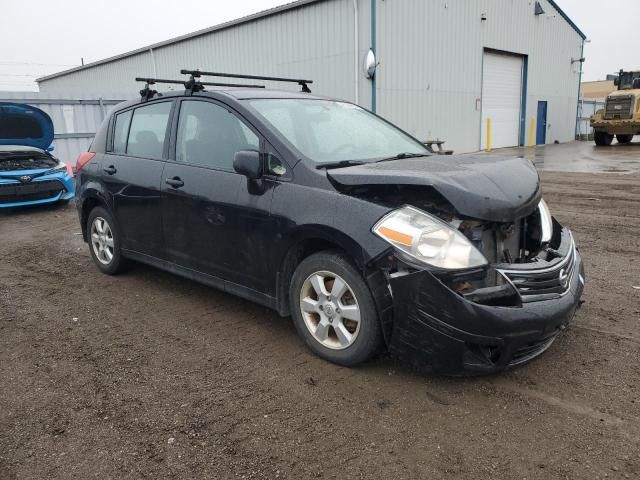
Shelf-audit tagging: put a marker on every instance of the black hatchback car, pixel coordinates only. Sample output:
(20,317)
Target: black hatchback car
(326,212)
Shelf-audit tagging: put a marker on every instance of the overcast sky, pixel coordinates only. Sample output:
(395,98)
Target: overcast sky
(44,36)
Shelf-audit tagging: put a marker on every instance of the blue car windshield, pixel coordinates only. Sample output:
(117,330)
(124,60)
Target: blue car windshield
(329,131)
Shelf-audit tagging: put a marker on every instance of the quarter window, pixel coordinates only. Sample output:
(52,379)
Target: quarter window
(121,131)
(209,135)
(148,130)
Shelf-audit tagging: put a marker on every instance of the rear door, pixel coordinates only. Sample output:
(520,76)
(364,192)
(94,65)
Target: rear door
(132,173)
(214,219)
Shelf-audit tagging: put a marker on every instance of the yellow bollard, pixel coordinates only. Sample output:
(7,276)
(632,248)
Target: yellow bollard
(488,134)
(532,129)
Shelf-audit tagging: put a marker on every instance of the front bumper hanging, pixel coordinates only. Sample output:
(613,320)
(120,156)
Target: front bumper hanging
(437,330)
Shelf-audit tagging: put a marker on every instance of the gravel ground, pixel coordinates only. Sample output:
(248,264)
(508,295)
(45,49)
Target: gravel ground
(148,375)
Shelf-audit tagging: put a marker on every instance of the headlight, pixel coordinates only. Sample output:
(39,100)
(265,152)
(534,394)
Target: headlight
(428,239)
(546,222)
(61,168)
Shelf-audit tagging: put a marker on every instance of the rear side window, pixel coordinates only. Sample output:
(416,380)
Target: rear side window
(120,132)
(209,135)
(148,130)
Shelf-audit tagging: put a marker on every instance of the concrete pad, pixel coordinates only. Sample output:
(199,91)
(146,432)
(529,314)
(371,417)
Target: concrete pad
(580,157)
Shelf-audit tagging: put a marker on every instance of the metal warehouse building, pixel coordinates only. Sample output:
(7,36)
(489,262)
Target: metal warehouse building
(443,67)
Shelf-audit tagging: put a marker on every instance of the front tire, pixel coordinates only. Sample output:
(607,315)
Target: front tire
(333,309)
(603,139)
(104,241)
(624,139)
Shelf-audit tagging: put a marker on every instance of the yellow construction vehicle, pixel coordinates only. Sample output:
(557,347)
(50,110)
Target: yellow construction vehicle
(621,115)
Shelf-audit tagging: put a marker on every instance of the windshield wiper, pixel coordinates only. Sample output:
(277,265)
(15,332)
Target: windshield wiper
(351,163)
(340,164)
(402,156)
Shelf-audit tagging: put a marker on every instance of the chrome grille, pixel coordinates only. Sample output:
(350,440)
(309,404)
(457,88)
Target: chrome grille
(619,108)
(543,284)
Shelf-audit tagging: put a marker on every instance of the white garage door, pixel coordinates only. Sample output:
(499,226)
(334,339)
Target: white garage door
(501,99)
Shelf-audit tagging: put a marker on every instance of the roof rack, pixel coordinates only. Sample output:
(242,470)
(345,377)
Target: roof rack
(197,73)
(193,85)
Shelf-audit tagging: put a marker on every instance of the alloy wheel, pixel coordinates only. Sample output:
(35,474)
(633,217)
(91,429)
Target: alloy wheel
(330,310)
(102,240)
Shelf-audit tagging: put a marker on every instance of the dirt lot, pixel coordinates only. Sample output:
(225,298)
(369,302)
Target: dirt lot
(148,375)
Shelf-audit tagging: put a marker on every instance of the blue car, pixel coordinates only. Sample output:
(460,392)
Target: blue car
(29,173)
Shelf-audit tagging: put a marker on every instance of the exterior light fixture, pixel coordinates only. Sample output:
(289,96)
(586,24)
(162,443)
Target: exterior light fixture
(370,64)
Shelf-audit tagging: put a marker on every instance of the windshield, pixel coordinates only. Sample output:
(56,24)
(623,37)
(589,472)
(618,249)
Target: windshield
(328,131)
(626,80)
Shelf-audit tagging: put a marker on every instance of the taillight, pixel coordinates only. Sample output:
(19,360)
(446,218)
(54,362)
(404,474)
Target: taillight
(83,159)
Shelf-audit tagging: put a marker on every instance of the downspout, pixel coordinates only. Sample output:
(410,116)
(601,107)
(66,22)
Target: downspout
(356,47)
(373,48)
(579,92)
(103,111)
(153,63)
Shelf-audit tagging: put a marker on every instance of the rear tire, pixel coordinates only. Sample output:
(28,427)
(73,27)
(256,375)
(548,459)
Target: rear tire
(603,139)
(104,241)
(333,309)
(624,138)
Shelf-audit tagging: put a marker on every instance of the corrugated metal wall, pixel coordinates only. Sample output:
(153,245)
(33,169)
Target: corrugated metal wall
(430,73)
(429,80)
(75,119)
(116,76)
(313,41)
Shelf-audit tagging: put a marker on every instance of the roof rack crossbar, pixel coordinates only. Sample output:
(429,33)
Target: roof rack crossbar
(191,84)
(197,73)
(152,81)
(217,84)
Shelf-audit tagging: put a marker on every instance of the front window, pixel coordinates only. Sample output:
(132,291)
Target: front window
(210,135)
(329,131)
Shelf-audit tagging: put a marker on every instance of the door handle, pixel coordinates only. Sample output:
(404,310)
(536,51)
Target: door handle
(110,169)
(175,182)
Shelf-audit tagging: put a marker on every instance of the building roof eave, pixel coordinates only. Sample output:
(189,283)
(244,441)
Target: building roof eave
(567,19)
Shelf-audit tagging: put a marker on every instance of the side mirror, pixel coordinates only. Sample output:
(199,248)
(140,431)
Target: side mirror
(616,82)
(248,163)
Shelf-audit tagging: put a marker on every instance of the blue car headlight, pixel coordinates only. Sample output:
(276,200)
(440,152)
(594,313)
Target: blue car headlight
(60,168)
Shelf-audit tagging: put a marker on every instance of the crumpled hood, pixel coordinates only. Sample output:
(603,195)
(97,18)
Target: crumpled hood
(22,124)
(483,187)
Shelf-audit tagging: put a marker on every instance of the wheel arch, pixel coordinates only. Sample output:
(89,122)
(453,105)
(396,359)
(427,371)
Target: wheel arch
(305,242)
(91,200)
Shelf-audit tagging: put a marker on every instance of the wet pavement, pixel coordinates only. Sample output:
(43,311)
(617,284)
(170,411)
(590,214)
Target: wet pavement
(581,157)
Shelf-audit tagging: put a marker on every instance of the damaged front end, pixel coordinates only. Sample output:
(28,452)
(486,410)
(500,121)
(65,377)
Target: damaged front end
(485,318)
(479,277)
